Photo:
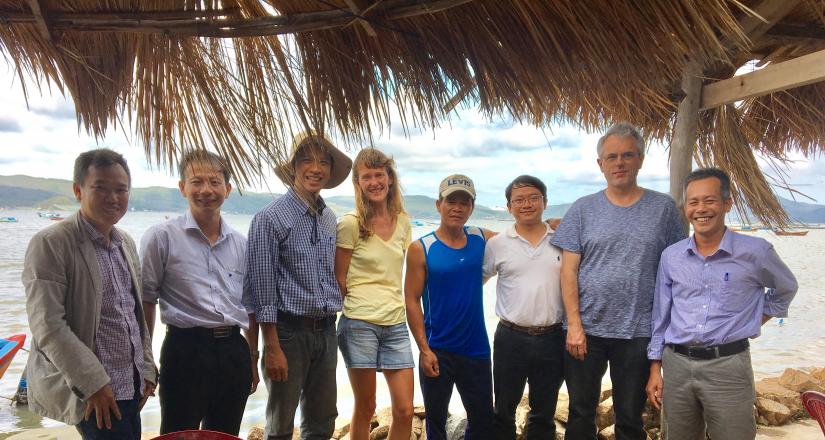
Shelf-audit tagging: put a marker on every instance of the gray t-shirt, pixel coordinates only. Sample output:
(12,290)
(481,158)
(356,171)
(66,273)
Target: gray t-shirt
(620,249)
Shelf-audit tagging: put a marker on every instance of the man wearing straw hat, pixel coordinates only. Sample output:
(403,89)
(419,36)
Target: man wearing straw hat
(290,276)
(611,243)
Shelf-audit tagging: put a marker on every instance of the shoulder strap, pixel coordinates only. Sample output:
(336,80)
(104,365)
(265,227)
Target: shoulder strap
(427,241)
(475,230)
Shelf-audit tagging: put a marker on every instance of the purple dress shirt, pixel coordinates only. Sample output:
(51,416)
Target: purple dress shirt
(118,342)
(705,301)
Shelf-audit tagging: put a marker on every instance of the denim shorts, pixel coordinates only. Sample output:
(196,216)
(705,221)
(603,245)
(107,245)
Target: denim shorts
(366,345)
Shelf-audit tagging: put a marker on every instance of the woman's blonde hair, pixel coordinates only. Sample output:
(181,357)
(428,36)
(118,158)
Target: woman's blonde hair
(374,158)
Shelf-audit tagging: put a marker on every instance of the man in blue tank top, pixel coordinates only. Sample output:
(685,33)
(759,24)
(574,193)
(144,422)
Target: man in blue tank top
(444,270)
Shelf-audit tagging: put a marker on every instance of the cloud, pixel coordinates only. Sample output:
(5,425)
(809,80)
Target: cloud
(46,150)
(60,110)
(9,125)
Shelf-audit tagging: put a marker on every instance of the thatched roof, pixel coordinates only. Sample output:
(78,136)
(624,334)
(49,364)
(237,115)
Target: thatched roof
(169,66)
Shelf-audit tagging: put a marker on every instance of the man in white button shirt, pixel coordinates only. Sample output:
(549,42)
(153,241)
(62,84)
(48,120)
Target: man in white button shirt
(194,266)
(529,342)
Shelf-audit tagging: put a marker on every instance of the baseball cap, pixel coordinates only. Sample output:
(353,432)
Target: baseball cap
(456,182)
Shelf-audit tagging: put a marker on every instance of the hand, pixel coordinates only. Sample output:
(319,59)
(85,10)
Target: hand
(429,363)
(655,385)
(102,403)
(276,365)
(148,391)
(576,342)
(256,378)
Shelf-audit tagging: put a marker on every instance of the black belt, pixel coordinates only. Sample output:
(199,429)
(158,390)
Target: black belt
(314,324)
(712,352)
(215,332)
(532,331)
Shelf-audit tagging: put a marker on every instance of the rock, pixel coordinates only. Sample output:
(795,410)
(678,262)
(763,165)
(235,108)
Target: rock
(608,433)
(420,411)
(296,434)
(562,408)
(345,437)
(772,390)
(456,424)
(604,414)
(417,426)
(384,417)
(341,428)
(819,373)
(772,413)
(522,411)
(423,430)
(799,381)
(256,433)
(607,392)
(379,433)
(651,417)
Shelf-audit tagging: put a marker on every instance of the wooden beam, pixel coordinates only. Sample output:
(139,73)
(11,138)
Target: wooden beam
(364,23)
(685,132)
(40,20)
(768,14)
(804,70)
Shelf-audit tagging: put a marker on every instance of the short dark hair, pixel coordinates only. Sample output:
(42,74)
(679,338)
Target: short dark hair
(705,173)
(98,158)
(203,156)
(525,180)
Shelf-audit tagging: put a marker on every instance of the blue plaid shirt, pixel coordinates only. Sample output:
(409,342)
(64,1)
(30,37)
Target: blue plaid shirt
(290,257)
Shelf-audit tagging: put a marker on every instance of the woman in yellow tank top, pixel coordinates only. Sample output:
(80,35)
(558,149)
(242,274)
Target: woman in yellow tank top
(372,332)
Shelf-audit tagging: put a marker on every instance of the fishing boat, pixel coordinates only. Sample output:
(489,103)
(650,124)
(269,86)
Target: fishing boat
(8,219)
(745,228)
(50,215)
(8,348)
(790,233)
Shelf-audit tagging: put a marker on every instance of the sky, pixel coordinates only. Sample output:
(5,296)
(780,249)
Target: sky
(41,138)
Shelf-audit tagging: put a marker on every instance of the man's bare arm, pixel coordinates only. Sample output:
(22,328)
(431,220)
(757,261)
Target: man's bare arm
(413,288)
(576,340)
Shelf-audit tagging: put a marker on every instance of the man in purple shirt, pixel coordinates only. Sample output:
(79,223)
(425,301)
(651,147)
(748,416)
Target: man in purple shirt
(713,292)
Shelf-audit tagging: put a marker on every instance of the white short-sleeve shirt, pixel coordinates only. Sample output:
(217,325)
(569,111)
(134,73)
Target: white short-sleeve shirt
(528,290)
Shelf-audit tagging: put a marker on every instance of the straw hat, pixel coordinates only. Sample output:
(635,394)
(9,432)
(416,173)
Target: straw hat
(341,163)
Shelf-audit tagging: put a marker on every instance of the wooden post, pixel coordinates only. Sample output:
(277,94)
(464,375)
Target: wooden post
(685,133)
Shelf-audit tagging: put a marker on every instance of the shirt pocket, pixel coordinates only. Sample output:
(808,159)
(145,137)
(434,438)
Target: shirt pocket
(735,295)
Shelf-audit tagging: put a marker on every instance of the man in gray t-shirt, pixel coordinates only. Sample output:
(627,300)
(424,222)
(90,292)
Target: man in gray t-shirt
(611,243)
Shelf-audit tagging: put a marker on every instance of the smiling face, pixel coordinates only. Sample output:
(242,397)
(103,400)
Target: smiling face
(204,187)
(526,205)
(103,196)
(455,209)
(374,183)
(705,208)
(312,166)
(620,162)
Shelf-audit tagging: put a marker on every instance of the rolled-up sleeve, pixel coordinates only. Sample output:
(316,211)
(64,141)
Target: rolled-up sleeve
(780,282)
(662,302)
(260,281)
(153,253)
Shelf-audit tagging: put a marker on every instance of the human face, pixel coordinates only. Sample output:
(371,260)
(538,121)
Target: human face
(204,187)
(705,208)
(620,162)
(526,204)
(313,167)
(455,209)
(103,196)
(374,183)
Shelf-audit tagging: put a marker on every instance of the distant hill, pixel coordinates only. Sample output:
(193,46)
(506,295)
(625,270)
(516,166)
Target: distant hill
(34,192)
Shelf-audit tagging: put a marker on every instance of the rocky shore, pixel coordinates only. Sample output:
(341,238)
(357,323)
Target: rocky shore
(777,404)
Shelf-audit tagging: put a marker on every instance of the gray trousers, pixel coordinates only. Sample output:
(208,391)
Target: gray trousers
(714,396)
(312,356)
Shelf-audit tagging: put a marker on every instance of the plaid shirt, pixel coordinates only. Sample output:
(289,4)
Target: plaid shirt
(118,342)
(290,257)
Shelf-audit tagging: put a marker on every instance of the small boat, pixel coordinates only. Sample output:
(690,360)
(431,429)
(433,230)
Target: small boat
(50,215)
(8,348)
(745,228)
(790,233)
(8,219)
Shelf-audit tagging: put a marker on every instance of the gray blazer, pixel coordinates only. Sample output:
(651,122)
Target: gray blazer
(63,299)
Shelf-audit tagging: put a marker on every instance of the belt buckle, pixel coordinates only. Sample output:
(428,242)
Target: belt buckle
(535,331)
(221,332)
(693,354)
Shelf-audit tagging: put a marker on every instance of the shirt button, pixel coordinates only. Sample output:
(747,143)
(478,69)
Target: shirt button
(704,307)
(706,286)
(706,265)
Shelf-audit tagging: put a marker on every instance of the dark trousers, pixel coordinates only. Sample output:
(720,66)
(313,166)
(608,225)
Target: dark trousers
(204,381)
(127,428)
(472,378)
(519,358)
(312,356)
(629,370)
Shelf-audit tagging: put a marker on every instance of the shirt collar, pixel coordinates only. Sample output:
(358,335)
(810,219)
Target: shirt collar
(114,236)
(302,206)
(511,230)
(189,222)
(726,245)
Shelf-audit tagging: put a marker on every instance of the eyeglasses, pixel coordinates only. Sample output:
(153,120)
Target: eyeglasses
(626,156)
(532,199)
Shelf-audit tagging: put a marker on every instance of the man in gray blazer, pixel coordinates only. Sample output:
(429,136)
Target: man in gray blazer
(91,359)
